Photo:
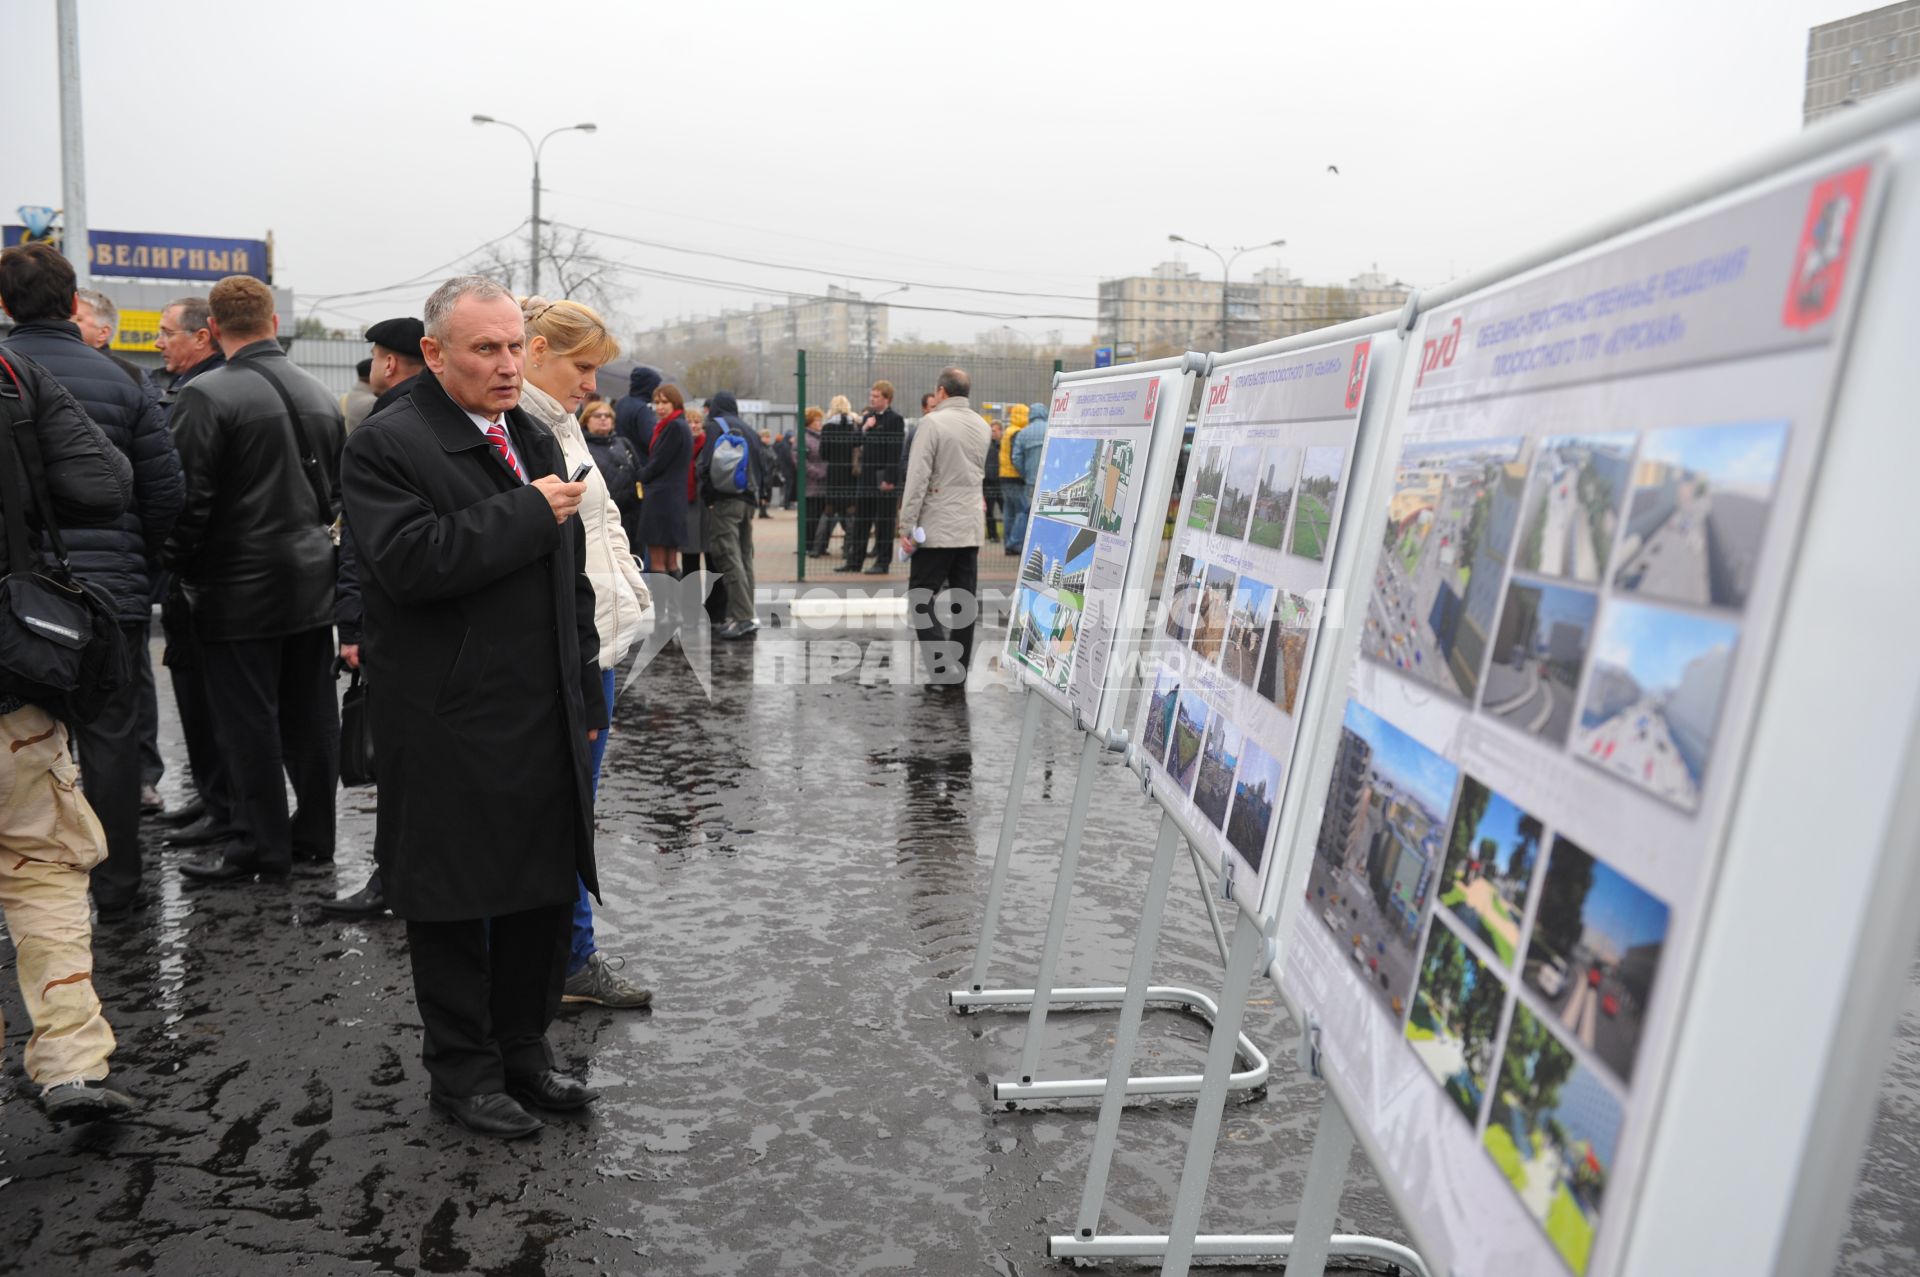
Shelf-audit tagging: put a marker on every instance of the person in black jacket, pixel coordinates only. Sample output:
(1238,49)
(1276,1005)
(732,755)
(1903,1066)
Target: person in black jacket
(51,836)
(37,288)
(633,416)
(664,503)
(883,434)
(619,465)
(839,441)
(480,627)
(260,444)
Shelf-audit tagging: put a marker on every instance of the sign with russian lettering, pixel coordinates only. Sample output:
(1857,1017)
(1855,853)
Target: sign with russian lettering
(1104,477)
(139,255)
(1584,556)
(1246,580)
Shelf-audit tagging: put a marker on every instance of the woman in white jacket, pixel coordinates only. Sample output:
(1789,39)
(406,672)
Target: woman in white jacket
(566,345)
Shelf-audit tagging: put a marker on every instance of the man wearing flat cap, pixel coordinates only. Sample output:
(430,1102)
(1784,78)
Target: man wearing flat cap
(397,362)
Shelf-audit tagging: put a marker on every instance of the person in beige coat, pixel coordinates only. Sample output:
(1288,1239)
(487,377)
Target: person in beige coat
(942,523)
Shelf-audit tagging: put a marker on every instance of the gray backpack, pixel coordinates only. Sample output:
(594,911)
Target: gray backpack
(727,461)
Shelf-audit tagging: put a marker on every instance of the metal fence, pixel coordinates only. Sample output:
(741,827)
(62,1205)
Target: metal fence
(331,359)
(847,522)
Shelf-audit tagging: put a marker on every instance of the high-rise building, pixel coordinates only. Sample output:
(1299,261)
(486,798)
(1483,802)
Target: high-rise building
(1347,798)
(1851,59)
(1174,306)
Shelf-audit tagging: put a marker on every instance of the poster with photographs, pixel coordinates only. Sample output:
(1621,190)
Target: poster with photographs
(1068,600)
(1244,588)
(1583,555)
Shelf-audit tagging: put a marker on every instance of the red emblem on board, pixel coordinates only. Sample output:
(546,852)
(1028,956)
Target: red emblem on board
(1826,242)
(1153,397)
(1357,373)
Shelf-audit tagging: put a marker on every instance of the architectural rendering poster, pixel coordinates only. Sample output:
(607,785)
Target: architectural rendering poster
(1080,534)
(1602,476)
(1246,577)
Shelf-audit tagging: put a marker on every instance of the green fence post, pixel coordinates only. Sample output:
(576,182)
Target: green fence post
(800,462)
(1059,366)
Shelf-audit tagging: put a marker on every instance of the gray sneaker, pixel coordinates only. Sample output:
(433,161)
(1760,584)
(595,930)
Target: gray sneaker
(84,1101)
(600,982)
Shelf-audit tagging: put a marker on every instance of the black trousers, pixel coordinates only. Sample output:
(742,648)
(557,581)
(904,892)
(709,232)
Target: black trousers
(930,570)
(276,712)
(873,515)
(487,990)
(110,761)
(204,759)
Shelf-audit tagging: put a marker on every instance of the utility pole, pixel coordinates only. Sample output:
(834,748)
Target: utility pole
(1226,269)
(73,151)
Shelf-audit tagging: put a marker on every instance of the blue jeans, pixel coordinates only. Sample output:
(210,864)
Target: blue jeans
(1013,500)
(583,947)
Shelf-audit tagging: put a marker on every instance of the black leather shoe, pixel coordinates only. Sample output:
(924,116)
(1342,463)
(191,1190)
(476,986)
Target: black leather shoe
(367,902)
(877,569)
(227,867)
(551,1090)
(183,815)
(199,833)
(118,908)
(493,1113)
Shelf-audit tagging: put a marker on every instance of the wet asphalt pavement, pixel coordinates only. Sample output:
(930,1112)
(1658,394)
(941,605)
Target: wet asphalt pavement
(798,872)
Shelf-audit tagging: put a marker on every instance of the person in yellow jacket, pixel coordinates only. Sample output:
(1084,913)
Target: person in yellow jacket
(1013,488)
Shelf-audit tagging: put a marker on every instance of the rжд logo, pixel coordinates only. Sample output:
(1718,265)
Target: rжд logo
(1439,351)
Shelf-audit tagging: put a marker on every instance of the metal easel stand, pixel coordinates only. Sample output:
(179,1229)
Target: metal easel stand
(1043,994)
(1313,1240)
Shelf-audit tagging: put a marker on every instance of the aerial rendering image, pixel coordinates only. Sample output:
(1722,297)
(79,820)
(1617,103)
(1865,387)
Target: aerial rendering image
(1450,524)
(1491,850)
(1285,661)
(1538,650)
(1698,515)
(1595,952)
(1653,698)
(1274,499)
(1379,849)
(1573,506)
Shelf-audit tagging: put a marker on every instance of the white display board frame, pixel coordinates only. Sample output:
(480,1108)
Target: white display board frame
(1331,389)
(1105,675)
(1792,1106)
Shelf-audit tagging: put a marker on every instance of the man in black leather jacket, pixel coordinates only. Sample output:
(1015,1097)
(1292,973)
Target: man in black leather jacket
(37,287)
(260,443)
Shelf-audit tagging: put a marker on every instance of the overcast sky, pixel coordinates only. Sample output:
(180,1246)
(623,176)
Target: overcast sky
(1030,147)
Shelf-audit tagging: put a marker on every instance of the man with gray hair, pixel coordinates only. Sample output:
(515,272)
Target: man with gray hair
(942,524)
(479,617)
(99,320)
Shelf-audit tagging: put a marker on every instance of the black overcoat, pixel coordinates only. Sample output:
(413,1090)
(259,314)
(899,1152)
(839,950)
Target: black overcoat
(479,621)
(663,481)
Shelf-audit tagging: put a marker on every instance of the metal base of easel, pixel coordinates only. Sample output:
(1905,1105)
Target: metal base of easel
(1014,1093)
(1277,1246)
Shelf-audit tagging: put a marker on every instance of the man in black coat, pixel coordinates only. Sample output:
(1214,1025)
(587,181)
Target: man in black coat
(480,623)
(883,435)
(37,287)
(260,443)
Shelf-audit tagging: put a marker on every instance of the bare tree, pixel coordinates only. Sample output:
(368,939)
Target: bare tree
(571,265)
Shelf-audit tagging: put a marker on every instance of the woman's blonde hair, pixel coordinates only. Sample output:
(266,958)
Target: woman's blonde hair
(840,403)
(592,406)
(570,329)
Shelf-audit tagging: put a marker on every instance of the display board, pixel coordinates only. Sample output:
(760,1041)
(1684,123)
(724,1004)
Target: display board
(1244,592)
(1584,556)
(1105,475)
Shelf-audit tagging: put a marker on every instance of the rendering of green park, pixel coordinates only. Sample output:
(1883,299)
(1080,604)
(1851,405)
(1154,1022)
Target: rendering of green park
(1319,494)
(1492,848)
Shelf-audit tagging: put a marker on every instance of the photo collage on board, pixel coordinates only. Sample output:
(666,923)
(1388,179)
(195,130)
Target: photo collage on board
(1081,492)
(1518,966)
(1584,590)
(1250,502)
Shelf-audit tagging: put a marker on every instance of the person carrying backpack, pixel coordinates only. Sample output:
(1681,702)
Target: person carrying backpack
(730,470)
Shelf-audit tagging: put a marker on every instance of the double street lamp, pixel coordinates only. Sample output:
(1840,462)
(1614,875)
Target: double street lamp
(1226,268)
(536,148)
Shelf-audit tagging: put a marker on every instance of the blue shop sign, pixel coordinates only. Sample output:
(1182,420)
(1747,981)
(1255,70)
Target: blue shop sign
(136,255)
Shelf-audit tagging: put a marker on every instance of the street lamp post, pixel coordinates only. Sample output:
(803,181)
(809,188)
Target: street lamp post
(536,148)
(1226,269)
(870,301)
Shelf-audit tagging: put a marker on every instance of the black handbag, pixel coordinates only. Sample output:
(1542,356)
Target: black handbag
(60,642)
(356,733)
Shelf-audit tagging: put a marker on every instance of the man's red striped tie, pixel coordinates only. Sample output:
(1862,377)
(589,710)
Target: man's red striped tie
(497,435)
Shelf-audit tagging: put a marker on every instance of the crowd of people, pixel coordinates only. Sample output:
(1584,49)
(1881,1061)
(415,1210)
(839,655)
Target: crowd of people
(469,530)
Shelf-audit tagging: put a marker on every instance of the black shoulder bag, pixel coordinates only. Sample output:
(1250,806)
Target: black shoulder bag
(60,644)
